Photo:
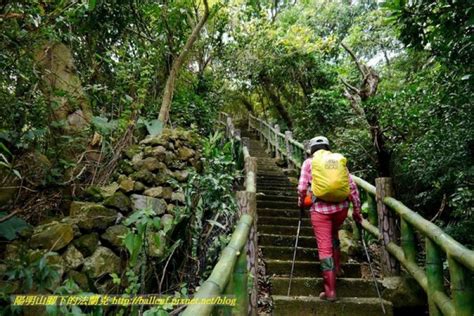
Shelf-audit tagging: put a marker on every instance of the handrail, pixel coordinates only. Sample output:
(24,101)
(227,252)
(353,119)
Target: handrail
(460,259)
(222,272)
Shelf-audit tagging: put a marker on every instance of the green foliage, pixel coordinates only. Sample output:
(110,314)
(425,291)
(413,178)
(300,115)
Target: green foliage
(210,203)
(31,274)
(11,227)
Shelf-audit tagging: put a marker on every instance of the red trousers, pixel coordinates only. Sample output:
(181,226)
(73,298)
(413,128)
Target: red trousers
(326,227)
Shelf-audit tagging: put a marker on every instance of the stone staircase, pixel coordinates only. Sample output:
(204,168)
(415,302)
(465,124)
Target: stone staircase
(277,225)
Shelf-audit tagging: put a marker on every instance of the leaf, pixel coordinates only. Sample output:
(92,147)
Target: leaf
(5,149)
(154,127)
(10,227)
(92,4)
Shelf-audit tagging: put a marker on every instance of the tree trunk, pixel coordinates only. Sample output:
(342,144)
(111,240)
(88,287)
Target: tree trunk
(276,102)
(248,105)
(71,105)
(177,63)
(366,89)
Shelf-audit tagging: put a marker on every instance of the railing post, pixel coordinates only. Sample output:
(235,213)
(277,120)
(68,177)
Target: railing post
(268,139)
(407,240)
(289,154)
(386,223)
(260,130)
(240,285)
(228,125)
(277,141)
(372,208)
(434,274)
(461,288)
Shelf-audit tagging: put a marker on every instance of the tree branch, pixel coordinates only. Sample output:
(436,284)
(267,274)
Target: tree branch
(359,65)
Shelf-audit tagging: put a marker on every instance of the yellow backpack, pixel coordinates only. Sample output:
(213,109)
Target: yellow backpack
(330,177)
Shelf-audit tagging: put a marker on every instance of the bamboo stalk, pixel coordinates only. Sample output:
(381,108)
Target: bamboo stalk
(221,273)
(372,209)
(428,229)
(407,241)
(461,288)
(240,278)
(434,274)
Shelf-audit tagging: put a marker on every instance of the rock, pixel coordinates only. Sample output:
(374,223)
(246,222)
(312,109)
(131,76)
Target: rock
(132,151)
(181,175)
(156,244)
(92,193)
(13,249)
(158,152)
(170,157)
(113,235)
(126,167)
(76,206)
(154,140)
(170,208)
(26,232)
(73,258)
(138,186)
(140,202)
(126,184)
(348,247)
(161,179)
(73,222)
(167,223)
(119,201)
(150,164)
(52,236)
(184,153)
(103,261)
(144,176)
(87,244)
(403,292)
(95,216)
(167,193)
(109,190)
(80,279)
(136,158)
(159,192)
(156,192)
(178,197)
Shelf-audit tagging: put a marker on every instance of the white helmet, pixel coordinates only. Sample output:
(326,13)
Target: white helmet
(318,140)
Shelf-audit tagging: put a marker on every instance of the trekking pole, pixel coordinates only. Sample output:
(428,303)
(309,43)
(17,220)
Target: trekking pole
(370,266)
(294,252)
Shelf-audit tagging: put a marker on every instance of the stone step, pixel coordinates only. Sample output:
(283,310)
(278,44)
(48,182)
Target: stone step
(277,205)
(309,269)
(272,197)
(345,287)
(279,192)
(285,230)
(286,253)
(273,212)
(287,187)
(314,306)
(287,241)
(272,183)
(271,220)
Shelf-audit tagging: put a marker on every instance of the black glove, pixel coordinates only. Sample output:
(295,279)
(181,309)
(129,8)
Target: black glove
(302,215)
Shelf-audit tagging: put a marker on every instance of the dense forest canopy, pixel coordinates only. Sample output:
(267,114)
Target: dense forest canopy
(390,83)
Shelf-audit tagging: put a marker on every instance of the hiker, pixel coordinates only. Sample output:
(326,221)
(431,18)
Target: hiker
(328,205)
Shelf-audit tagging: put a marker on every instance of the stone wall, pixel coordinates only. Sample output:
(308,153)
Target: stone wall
(87,244)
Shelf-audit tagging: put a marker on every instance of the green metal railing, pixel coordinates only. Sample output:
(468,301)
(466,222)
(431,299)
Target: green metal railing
(460,260)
